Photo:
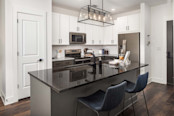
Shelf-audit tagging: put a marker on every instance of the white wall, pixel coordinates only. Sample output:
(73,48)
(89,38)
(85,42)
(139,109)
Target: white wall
(2,44)
(10,80)
(169,9)
(126,13)
(145,14)
(158,43)
(65,11)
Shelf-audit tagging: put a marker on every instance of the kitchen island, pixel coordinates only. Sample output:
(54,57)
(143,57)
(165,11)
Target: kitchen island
(55,92)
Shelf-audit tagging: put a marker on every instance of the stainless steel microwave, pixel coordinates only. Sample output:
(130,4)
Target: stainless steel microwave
(77,38)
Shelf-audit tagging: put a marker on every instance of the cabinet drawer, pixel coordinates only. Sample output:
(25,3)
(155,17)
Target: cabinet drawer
(66,63)
(58,64)
(63,63)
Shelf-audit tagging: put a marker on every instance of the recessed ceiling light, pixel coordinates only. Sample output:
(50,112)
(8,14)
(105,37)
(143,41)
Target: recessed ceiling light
(113,9)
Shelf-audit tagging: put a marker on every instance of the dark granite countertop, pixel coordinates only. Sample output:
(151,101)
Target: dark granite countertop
(74,76)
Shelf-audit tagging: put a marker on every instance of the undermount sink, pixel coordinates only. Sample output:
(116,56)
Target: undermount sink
(79,67)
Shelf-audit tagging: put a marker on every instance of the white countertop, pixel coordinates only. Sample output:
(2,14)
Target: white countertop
(62,59)
(98,55)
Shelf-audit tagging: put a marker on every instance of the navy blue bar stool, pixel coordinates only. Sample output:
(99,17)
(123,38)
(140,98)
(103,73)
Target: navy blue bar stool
(102,101)
(139,86)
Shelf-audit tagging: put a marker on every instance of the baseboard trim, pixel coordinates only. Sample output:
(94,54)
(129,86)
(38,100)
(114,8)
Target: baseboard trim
(160,81)
(149,80)
(7,101)
(2,97)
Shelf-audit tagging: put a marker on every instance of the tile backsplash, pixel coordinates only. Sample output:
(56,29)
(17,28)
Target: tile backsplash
(112,49)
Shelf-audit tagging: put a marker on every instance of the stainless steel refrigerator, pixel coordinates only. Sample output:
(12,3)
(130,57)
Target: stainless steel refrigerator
(132,45)
(170,50)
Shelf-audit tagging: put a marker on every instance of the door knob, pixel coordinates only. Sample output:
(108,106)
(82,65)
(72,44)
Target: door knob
(40,60)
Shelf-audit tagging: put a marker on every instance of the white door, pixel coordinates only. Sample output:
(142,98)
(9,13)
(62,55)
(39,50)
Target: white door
(31,49)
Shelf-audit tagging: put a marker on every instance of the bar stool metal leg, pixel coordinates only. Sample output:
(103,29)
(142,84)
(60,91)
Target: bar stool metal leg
(77,108)
(108,113)
(133,105)
(96,112)
(123,106)
(146,103)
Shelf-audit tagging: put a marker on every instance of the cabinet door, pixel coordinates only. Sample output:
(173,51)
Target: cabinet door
(115,33)
(56,29)
(122,24)
(64,29)
(81,28)
(100,35)
(73,24)
(134,22)
(108,34)
(89,36)
(95,39)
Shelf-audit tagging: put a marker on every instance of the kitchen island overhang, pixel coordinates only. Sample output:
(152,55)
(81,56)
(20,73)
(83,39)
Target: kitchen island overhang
(55,93)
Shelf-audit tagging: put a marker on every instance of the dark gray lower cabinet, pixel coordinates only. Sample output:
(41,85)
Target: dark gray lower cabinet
(60,64)
(45,101)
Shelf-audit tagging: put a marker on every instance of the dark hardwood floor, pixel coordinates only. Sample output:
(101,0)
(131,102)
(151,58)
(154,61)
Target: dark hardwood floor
(160,100)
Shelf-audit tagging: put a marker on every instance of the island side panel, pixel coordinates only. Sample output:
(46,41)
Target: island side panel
(64,103)
(40,98)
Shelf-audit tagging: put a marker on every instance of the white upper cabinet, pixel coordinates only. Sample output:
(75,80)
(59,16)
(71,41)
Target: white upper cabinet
(97,35)
(64,29)
(122,24)
(130,23)
(100,35)
(89,34)
(134,22)
(60,29)
(55,29)
(81,28)
(75,26)
(94,35)
(108,35)
(115,33)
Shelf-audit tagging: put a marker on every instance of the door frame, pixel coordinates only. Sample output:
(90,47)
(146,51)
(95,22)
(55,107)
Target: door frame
(15,43)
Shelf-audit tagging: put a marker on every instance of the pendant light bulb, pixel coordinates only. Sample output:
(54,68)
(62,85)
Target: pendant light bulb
(94,16)
(90,15)
(111,18)
(80,15)
(104,18)
(99,17)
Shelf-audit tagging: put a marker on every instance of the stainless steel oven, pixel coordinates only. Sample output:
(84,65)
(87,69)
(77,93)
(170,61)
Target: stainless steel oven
(77,38)
(76,53)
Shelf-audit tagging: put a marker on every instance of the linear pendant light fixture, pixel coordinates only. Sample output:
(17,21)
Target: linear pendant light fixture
(92,15)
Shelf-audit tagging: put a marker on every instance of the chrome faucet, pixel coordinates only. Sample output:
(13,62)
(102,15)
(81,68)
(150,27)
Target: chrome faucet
(94,59)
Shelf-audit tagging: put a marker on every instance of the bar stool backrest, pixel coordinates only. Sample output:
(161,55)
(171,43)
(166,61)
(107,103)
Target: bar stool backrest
(113,96)
(141,82)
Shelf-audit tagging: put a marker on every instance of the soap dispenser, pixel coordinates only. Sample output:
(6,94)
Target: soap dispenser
(100,62)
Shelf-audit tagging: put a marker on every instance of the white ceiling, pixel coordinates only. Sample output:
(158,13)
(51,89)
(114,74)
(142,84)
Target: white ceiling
(118,5)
